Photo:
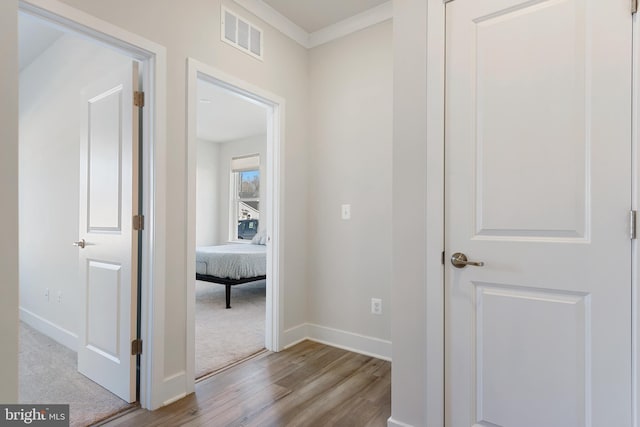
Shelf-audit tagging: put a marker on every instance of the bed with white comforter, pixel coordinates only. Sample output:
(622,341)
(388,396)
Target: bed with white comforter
(232,264)
(234,261)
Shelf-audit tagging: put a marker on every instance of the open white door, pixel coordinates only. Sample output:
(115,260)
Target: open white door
(538,187)
(108,243)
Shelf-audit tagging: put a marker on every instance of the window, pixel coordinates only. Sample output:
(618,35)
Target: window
(244,197)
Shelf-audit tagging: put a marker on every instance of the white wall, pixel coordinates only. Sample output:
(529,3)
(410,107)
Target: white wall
(417,328)
(207,193)
(241,147)
(50,120)
(192,29)
(351,90)
(9,198)
(212,181)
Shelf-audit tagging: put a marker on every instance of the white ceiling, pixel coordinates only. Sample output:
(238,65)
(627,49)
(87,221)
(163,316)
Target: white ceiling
(224,116)
(313,15)
(34,37)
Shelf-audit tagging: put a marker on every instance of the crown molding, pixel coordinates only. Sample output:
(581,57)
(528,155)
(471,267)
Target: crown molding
(276,20)
(332,32)
(350,25)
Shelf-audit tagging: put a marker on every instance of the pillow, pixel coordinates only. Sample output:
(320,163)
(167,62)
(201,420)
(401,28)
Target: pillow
(260,238)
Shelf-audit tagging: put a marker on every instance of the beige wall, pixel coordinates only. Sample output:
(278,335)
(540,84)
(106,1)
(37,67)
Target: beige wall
(9,197)
(351,94)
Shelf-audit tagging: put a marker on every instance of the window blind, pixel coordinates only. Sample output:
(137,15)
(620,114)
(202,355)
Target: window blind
(245,163)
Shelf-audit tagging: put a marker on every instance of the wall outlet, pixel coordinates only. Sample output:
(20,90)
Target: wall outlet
(376,306)
(346,211)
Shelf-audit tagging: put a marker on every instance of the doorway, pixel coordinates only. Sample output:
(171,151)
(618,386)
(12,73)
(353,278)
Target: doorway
(230,217)
(101,42)
(272,109)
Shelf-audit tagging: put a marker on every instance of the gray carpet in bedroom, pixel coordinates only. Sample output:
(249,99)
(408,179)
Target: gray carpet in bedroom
(48,370)
(48,375)
(226,336)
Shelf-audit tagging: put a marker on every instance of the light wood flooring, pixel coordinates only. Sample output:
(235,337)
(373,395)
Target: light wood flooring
(310,384)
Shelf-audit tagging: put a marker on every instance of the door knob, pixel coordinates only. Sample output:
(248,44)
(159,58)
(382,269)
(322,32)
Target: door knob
(81,244)
(459,260)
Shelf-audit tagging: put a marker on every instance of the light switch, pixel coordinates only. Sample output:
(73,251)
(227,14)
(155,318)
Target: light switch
(346,211)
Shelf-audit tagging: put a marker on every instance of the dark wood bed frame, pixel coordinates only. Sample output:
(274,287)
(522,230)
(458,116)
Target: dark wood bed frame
(228,283)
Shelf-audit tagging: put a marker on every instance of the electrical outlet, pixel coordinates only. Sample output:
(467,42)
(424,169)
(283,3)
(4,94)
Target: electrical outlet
(376,306)
(346,211)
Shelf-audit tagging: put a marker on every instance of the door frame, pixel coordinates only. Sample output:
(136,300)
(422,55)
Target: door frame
(435,303)
(152,287)
(275,106)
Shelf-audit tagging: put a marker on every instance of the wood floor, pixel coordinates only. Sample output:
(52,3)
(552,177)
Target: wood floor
(309,384)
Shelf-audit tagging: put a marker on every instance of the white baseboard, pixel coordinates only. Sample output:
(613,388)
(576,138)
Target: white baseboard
(50,329)
(294,335)
(395,423)
(357,343)
(171,390)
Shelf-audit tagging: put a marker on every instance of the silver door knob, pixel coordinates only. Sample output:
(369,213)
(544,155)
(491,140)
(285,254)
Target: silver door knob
(459,260)
(81,244)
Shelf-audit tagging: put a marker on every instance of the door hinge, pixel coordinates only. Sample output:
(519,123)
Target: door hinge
(138,222)
(138,99)
(442,258)
(633,224)
(634,6)
(136,347)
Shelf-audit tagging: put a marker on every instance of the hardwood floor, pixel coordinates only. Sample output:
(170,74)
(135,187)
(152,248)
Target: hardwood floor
(310,384)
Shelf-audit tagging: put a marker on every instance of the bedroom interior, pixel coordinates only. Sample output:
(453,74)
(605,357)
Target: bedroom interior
(230,235)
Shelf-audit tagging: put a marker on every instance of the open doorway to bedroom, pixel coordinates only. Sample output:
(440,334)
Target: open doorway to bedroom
(230,228)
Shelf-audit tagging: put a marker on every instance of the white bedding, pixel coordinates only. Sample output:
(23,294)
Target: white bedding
(235,261)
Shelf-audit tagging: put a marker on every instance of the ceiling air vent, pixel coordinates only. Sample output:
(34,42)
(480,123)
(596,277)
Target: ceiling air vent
(242,34)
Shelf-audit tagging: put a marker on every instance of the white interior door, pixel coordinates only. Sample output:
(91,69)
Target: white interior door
(108,260)
(538,187)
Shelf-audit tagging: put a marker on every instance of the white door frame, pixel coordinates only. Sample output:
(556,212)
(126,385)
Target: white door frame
(153,58)
(275,106)
(435,199)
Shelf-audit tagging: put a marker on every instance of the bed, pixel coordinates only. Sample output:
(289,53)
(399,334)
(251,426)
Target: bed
(231,265)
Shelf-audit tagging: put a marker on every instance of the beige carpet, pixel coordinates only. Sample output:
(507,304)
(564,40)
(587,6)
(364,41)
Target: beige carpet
(48,375)
(226,336)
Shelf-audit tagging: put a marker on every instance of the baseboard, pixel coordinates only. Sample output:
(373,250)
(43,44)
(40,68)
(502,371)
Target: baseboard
(293,336)
(171,390)
(357,343)
(395,423)
(50,329)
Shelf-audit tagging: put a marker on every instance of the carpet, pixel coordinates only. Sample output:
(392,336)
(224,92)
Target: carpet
(227,336)
(48,370)
(48,375)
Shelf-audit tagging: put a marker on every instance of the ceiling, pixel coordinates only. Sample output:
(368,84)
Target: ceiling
(224,116)
(35,36)
(313,15)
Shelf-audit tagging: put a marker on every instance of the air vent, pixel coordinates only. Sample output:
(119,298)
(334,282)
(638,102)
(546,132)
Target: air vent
(242,34)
